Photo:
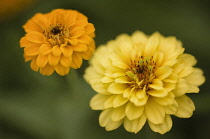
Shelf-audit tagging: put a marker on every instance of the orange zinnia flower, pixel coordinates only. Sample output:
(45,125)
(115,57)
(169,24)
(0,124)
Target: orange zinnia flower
(58,41)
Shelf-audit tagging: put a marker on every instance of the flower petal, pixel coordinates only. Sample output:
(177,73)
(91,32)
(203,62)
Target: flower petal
(134,125)
(97,102)
(53,60)
(185,107)
(80,47)
(119,100)
(61,70)
(42,60)
(67,50)
(154,112)
(104,117)
(181,88)
(133,112)
(47,70)
(116,88)
(32,50)
(196,77)
(156,84)
(158,93)
(33,65)
(163,72)
(164,127)
(76,32)
(45,49)
(167,100)
(89,28)
(85,39)
(56,50)
(118,113)
(65,61)
(76,61)
(35,37)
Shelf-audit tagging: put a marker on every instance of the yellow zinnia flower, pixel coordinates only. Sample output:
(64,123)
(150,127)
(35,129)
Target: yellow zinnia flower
(58,41)
(142,78)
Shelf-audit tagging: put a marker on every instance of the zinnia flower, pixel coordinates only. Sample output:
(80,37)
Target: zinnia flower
(142,78)
(58,41)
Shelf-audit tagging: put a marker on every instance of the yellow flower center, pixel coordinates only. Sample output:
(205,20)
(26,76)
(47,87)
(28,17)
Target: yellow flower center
(141,72)
(57,34)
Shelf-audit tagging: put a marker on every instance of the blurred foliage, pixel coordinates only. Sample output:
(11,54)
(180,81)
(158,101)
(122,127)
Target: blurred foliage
(33,106)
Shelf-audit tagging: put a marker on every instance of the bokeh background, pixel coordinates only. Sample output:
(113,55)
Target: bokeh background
(33,106)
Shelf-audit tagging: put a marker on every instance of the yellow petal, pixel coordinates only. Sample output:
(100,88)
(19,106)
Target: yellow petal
(104,117)
(151,45)
(33,65)
(141,93)
(109,102)
(35,37)
(186,71)
(80,23)
(163,72)
(42,60)
(116,88)
(113,125)
(61,70)
(76,32)
(66,50)
(76,60)
(164,127)
(53,60)
(171,109)
(65,61)
(119,100)
(181,88)
(185,107)
(122,79)
(45,49)
(133,112)
(107,79)
(89,28)
(32,50)
(154,112)
(79,47)
(196,78)
(158,93)
(156,84)
(167,100)
(118,113)
(47,70)
(32,26)
(138,102)
(188,59)
(97,102)
(56,50)
(127,92)
(134,125)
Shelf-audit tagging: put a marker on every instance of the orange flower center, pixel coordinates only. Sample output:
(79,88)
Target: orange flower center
(141,72)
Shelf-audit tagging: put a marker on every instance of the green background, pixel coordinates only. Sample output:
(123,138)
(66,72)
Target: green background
(33,106)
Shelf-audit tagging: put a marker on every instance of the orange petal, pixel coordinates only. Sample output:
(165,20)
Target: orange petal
(76,60)
(80,47)
(70,18)
(56,50)
(35,37)
(80,23)
(89,28)
(47,70)
(45,49)
(76,32)
(28,58)
(73,41)
(32,50)
(32,26)
(65,61)
(85,39)
(66,50)
(24,42)
(88,54)
(81,16)
(42,60)
(53,60)
(33,65)
(61,70)
(41,20)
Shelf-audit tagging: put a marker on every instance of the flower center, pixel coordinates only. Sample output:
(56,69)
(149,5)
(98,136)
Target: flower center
(141,72)
(57,34)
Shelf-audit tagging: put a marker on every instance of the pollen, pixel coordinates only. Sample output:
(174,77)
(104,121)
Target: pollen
(141,72)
